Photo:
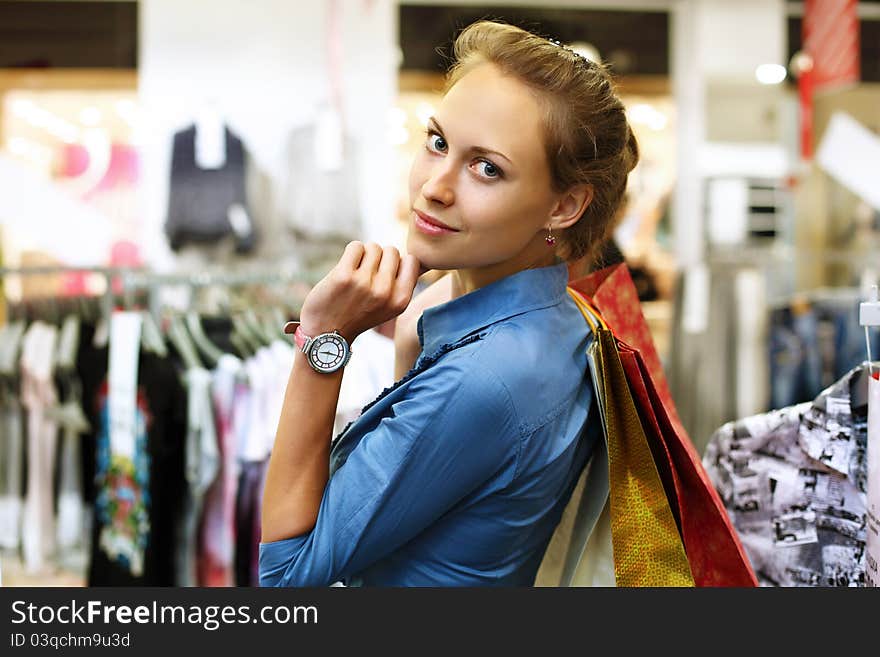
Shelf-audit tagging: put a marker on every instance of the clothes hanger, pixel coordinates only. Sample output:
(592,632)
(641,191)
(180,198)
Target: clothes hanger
(241,346)
(151,336)
(12,341)
(208,349)
(4,347)
(183,343)
(257,327)
(278,318)
(68,342)
(245,335)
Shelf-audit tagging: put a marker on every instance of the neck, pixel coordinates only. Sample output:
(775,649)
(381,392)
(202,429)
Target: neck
(534,256)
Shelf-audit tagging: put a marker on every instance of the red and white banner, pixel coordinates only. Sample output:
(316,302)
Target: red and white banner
(831,37)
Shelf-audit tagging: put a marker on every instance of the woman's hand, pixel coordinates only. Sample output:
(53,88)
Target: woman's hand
(368,286)
(406,337)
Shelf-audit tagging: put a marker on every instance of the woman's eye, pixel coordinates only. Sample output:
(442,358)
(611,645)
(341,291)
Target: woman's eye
(436,142)
(489,170)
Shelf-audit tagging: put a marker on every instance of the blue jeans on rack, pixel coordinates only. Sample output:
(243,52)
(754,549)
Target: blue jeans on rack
(795,361)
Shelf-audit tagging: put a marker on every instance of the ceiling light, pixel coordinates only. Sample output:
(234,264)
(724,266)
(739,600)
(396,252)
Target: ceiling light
(648,115)
(770,73)
(586,50)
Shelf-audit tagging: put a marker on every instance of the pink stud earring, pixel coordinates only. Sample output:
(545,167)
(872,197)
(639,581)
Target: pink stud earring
(551,241)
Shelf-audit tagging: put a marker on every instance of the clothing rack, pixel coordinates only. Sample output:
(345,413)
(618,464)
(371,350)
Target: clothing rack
(778,260)
(786,255)
(47,270)
(819,294)
(152,281)
(133,279)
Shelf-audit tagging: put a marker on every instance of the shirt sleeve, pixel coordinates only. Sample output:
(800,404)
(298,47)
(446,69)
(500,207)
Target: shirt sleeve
(455,429)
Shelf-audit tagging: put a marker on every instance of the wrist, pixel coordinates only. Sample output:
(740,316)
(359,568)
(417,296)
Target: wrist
(315,327)
(326,351)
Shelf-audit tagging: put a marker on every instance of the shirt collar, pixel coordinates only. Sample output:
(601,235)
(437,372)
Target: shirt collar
(828,430)
(512,295)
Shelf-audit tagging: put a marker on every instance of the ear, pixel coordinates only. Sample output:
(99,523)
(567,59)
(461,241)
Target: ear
(571,205)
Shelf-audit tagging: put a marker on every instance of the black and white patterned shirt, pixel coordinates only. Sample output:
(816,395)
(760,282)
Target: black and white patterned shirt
(793,481)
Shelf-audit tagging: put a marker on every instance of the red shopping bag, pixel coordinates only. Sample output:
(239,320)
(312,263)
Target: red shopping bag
(713,548)
(612,292)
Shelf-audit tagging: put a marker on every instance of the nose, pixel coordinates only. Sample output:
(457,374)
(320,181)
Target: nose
(439,185)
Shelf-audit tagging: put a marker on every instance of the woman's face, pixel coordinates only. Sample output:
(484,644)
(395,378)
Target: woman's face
(482,173)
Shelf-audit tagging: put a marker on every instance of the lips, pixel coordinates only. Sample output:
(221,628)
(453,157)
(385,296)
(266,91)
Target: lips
(431,222)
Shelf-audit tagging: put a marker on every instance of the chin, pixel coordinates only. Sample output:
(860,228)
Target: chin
(428,255)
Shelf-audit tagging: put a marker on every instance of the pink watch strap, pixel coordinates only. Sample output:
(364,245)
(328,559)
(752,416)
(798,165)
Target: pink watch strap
(298,336)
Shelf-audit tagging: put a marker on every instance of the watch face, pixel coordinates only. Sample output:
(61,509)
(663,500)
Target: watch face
(328,352)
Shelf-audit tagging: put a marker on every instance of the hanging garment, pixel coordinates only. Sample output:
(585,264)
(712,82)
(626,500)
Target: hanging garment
(319,202)
(282,355)
(257,528)
(872,488)
(250,428)
(250,414)
(217,537)
(141,502)
(795,360)
(265,381)
(202,463)
(813,344)
(369,372)
(38,394)
(91,371)
(72,523)
(206,205)
(11,462)
(247,504)
(793,481)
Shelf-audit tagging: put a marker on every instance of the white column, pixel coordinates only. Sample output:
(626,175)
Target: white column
(714,44)
(688,87)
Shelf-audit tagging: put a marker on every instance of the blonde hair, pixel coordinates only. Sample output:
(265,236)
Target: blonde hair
(587,136)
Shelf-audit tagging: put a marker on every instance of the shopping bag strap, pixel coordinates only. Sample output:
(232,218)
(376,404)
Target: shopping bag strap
(593,317)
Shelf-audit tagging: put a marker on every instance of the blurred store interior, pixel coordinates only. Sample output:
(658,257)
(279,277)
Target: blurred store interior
(755,203)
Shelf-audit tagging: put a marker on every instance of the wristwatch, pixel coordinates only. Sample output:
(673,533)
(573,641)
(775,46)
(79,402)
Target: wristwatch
(326,352)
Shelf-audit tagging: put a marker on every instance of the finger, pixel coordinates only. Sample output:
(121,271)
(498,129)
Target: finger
(388,269)
(407,277)
(372,256)
(351,257)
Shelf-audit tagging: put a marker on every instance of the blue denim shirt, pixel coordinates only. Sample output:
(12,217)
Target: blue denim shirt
(458,474)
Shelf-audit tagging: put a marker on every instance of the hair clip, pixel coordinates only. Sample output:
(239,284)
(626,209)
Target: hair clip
(582,60)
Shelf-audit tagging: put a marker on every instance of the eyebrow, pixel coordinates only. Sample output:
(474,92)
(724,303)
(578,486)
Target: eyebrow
(476,149)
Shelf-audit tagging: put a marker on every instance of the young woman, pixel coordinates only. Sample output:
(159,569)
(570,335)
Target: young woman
(458,474)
